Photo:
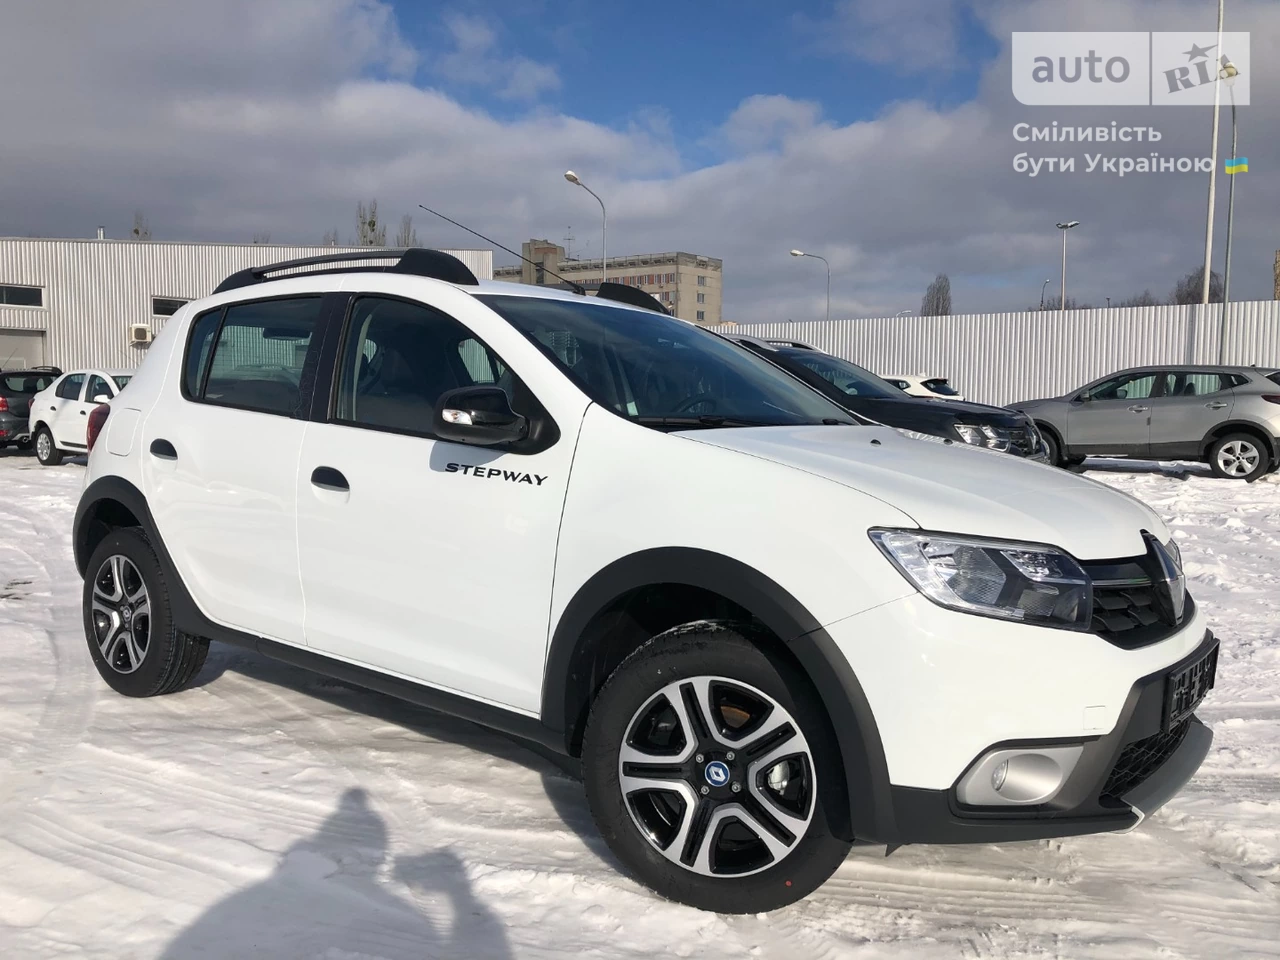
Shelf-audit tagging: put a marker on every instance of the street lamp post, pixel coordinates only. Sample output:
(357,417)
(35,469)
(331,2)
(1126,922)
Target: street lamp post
(801,253)
(1042,289)
(604,224)
(1064,227)
(1230,79)
(904,313)
(1213,168)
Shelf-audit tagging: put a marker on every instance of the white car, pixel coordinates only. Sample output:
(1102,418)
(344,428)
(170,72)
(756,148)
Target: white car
(59,414)
(934,388)
(762,630)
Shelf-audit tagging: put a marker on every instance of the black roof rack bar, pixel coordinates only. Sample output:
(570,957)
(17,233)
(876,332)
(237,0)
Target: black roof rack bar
(634,296)
(415,261)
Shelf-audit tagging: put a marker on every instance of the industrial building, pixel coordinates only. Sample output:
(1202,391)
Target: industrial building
(98,303)
(687,284)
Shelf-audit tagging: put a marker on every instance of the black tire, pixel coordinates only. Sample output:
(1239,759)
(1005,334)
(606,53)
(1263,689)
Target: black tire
(721,651)
(1239,456)
(1053,449)
(169,659)
(47,451)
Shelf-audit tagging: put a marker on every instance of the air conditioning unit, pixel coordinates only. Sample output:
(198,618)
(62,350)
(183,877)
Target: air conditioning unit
(139,334)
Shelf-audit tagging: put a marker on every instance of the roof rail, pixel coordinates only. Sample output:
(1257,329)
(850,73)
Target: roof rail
(415,261)
(634,296)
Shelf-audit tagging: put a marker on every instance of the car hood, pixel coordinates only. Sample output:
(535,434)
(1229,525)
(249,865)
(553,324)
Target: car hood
(934,411)
(958,489)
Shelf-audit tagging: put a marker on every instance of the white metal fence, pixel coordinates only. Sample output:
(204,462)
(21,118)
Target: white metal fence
(1005,357)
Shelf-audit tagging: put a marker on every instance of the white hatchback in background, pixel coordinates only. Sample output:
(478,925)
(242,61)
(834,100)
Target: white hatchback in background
(60,413)
(933,388)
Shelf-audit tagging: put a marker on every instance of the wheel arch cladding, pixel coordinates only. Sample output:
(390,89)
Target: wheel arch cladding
(108,503)
(634,598)
(1238,426)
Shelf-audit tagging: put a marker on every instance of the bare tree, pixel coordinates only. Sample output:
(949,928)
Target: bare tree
(1145,299)
(937,298)
(331,237)
(1055,303)
(370,231)
(262,236)
(1190,289)
(141,229)
(407,237)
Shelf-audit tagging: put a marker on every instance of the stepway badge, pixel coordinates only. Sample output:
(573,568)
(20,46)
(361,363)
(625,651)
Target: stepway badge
(1128,69)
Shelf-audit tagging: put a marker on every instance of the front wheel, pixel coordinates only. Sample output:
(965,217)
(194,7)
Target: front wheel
(709,770)
(1237,456)
(47,451)
(1053,452)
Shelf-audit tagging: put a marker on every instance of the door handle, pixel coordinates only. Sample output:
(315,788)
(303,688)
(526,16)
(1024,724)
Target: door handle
(163,450)
(1215,405)
(329,479)
(82,413)
(1138,408)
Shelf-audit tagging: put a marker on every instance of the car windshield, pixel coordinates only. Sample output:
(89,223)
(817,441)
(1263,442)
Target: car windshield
(940,386)
(845,376)
(25,382)
(660,371)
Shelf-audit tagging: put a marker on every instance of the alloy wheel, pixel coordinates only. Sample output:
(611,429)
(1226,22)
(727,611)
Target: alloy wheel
(1239,458)
(121,614)
(44,445)
(717,776)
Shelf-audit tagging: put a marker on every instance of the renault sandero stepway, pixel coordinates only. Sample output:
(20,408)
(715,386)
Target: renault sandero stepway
(764,631)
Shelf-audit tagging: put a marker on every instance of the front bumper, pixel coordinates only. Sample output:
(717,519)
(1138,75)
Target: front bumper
(1120,779)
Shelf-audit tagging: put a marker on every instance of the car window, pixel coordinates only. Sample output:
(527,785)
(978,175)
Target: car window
(69,388)
(400,357)
(942,387)
(848,377)
(900,384)
(98,387)
(256,362)
(121,380)
(25,383)
(1131,387)
(649,367)
(1195,384)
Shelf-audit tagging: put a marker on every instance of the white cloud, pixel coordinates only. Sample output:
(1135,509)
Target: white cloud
(475,60)
(913,36)
(219,120)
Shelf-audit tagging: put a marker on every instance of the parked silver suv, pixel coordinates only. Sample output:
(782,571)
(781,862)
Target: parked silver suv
(1228,417)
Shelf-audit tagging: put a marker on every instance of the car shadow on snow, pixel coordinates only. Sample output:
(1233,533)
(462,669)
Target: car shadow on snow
(560,775)
(328,897)
(1178,470)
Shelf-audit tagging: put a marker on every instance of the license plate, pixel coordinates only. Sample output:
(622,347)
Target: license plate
(1185,689)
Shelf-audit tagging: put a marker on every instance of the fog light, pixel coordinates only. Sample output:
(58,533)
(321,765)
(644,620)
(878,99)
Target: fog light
(1018,777)
(997,778)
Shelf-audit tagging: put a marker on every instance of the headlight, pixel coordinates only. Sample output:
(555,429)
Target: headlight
(993,438)
(917,435)
(1028,582)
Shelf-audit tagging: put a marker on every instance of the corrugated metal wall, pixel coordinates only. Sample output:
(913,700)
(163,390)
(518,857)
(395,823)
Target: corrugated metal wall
(95,289)
(1005,357)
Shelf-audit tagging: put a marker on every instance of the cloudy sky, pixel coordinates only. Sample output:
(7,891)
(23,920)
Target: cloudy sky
(875,132)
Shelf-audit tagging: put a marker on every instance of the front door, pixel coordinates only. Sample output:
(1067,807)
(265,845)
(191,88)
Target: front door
(220,463)
(1113,417)
(420,557)
(1191,404)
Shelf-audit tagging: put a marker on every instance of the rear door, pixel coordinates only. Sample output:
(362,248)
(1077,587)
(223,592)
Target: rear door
(1191,404)
(220,461)
(1114,416)
(64,413)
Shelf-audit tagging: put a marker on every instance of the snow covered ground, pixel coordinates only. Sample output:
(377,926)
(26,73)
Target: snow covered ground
(270,813)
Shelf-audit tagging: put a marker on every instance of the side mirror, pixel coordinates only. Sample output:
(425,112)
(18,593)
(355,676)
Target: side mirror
(481,416)
(101,398)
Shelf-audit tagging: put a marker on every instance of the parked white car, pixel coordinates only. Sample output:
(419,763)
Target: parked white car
(934,388)
(59,414)
(764,631)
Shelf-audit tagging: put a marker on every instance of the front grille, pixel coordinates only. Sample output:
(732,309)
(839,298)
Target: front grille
(1119,609)
(1131,603)
(1142,758)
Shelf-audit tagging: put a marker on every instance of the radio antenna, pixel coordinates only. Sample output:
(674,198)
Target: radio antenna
(577,287)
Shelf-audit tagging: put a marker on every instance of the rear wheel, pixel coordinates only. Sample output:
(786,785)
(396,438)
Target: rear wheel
(47,451)
(703,759)
(128,622)
(1238,456)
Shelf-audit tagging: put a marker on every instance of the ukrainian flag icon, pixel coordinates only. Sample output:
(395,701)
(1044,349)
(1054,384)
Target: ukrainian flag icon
(1238,165)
